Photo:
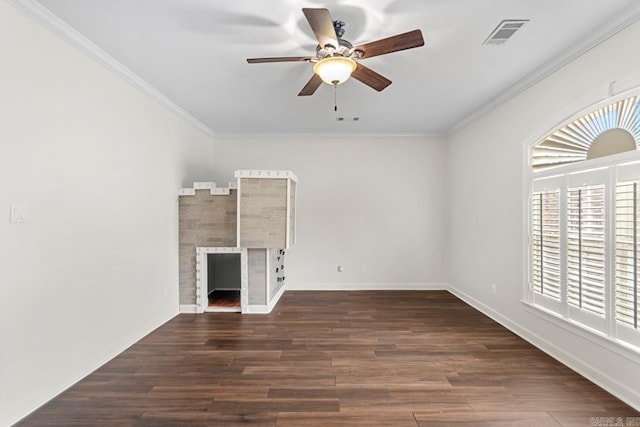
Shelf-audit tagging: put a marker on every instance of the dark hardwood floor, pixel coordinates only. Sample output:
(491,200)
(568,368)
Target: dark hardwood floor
(223,298)
(334,359)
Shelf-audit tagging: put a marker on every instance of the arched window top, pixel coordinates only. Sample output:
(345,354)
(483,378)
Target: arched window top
(609,130)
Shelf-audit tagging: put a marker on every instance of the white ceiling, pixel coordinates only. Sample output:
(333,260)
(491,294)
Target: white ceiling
(194,53)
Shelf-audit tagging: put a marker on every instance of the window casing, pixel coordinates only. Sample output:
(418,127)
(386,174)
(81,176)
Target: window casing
(584,224)
(584,245)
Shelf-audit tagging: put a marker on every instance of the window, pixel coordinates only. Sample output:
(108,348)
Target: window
(612,129)
(627,230)
(584,222)
(586,248)
(545,247)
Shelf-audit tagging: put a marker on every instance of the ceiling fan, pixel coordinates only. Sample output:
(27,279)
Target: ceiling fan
(335,59)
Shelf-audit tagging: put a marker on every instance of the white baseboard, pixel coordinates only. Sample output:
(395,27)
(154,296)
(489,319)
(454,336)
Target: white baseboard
(257,309)
(367,286)
(120,348)
(266,308)
(621,391)
(276,298)
(188,308)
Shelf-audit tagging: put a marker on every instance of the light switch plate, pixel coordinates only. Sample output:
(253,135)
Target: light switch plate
(19,213)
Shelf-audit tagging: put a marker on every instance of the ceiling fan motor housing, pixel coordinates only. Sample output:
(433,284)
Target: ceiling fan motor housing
(345,49)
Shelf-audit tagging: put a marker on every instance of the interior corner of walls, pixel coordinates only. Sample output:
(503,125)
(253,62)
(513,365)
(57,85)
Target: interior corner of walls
(114,351)
(69,34)
(212,157)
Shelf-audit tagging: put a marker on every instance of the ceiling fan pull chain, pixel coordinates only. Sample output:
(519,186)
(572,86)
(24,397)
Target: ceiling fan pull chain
(335,98)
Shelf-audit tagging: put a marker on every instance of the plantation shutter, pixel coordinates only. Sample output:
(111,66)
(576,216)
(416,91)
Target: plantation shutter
(627,253)
(545,243)
(586,272)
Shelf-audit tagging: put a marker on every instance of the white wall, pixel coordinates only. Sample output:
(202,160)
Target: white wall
(377,202)
(487,196)
(98,164)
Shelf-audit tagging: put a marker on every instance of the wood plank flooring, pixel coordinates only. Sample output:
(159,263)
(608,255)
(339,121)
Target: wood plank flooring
(403,358)
(224,298)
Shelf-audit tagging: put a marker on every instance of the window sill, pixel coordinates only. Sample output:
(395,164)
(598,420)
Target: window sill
(621,348)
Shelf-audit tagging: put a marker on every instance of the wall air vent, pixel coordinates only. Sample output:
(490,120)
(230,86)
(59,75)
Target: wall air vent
(504,31)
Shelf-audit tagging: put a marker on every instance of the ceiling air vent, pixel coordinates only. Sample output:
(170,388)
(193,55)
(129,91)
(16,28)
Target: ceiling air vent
(504,31)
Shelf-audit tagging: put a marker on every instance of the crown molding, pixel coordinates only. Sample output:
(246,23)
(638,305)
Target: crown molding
(53,23)
(603,33)
(327,135)
(50,21)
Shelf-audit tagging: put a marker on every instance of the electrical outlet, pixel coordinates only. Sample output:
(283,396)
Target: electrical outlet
(364,268)
(493,289)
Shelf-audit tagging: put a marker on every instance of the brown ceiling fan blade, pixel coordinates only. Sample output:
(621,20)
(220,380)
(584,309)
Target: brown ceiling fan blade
(312,85)
(370,78)
(395,43)
(279,59)
(322,26)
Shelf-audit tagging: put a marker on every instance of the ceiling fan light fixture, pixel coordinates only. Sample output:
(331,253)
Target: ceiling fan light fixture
(335,70)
